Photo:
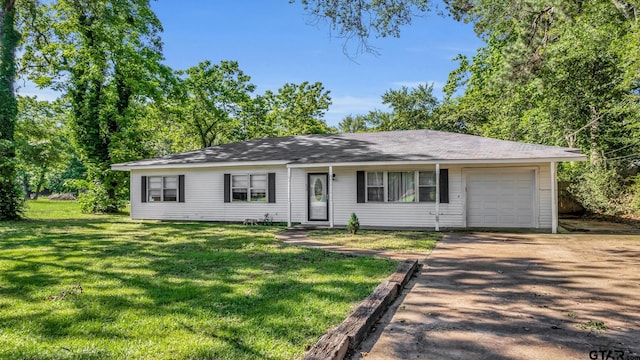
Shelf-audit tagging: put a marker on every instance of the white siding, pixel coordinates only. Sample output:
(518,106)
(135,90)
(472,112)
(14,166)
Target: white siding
(544,195)
(379,214)
(204,196)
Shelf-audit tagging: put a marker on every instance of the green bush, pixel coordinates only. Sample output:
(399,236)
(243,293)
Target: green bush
(599,191)
(354,224)
(96,200)
(635,191)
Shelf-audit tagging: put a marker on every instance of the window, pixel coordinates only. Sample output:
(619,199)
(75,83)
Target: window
(239,187)
(170,189)
(427,186)
(162,188)
(401,186)
(249,188)
(375,186)
(258,188)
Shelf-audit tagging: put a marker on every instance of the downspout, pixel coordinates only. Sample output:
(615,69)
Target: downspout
(554,199)
(437,196)
(330,196)
(288,196)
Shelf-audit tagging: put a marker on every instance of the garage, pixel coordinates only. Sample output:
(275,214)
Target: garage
(501,198)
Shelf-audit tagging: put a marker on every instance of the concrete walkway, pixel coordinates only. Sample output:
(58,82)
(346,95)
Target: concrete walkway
(298,237)
(502,296)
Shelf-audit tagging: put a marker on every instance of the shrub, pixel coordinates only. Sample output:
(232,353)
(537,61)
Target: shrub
(599,191)
(635,189)
(354,224)
(97,201)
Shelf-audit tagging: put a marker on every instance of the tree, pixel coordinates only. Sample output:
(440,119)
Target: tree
(10,199)
(560,73)
(359,19)
(552,71)
(41,146)
(105,55)
(298,109)
(213,99)
(412,109)
(354,124)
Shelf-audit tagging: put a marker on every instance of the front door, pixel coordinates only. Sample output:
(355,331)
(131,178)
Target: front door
(318,196)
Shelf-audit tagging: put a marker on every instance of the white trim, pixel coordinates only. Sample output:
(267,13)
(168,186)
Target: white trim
(126,167)
(536,194)
(288,197)
(437,196)
(442,162)
(554,199)
(330,204)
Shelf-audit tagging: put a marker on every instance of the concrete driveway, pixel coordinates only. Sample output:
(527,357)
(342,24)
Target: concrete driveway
(503,296)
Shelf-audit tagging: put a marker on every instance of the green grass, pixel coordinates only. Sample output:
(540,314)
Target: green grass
(166,290)
(395,241)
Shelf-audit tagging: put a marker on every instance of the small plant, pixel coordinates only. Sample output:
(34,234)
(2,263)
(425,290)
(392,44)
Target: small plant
(592,325)
(354,224)
(572,315)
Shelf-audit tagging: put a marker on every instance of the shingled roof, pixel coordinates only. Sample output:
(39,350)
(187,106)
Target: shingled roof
(410,145)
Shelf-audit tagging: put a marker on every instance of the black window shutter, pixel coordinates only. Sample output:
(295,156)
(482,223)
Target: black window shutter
(143,188)
(180,188)
(360,186)
(227,188)
(272,187)
(444,186)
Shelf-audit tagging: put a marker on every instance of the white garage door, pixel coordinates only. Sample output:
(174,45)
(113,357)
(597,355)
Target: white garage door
(501,198)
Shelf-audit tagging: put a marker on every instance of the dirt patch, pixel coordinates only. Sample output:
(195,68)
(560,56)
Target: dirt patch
(598,226)
(513,296)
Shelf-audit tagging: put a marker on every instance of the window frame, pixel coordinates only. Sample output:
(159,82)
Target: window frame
(249,188)
(434,186)
(163,188)
(385,186)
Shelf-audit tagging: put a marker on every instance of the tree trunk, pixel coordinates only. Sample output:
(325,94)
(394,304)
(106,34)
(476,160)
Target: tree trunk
(596,158)
(10,197)
(25,187)
(39,184)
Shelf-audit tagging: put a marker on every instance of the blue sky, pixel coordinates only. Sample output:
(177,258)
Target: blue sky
(276,43)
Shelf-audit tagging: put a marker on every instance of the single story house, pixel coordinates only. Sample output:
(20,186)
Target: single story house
(416,178)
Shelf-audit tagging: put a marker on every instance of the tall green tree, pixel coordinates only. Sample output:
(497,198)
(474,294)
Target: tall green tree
(299,109)
(41,145)
(361,19)
(10,199)
(105,56)
(354,124)
(411,108)
(213,99)
(560,73)
(551,71)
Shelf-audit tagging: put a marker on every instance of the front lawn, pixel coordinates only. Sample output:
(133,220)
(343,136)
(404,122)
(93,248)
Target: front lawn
(76,286)
(382,240)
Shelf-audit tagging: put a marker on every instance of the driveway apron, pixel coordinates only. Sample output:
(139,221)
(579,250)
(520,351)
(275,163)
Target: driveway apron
(504,296)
